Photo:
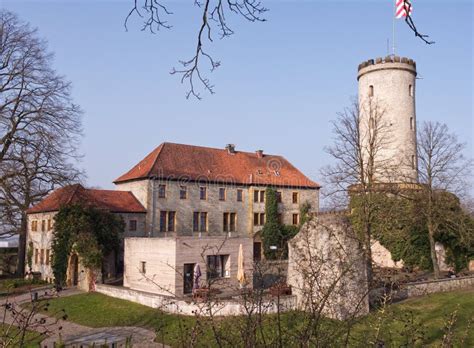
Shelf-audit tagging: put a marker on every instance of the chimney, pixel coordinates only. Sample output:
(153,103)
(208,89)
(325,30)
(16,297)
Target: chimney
(259,153)
(230,148)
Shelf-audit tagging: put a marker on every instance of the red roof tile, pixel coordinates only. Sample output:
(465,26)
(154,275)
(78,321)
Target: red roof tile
(113,201)
(196,163)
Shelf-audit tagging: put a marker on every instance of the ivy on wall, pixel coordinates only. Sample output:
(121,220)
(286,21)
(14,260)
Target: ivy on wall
(276,234)
(89,232)
(399,224)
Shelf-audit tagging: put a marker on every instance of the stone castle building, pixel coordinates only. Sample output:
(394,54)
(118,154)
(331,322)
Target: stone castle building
(387,93)
(184,205)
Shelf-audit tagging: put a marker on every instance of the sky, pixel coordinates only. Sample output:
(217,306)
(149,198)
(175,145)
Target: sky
(279,86)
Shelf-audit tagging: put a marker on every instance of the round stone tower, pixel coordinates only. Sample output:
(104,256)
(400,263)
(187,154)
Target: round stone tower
(387,104)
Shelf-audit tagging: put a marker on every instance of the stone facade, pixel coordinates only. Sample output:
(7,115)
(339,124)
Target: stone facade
(388,86)
(245,210)
(40,228)
(157,265)
(327,270)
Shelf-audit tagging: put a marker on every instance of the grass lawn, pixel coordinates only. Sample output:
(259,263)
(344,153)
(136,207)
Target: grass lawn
(427,316)
(14,286)
(9,336)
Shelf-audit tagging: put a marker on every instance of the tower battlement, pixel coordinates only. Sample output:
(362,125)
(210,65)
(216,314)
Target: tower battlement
(389,62)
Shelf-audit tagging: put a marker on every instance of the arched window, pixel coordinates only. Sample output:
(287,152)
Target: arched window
(411,123)
(410,90)
(371,91)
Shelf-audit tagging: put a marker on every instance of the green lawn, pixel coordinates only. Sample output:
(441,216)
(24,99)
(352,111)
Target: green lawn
(421,317)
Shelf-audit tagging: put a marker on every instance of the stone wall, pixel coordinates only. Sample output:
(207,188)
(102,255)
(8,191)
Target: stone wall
(165,258)
(327,269)
(169,304)
(215,207)
(408,290)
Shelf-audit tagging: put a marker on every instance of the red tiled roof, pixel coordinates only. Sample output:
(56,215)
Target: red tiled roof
(196,163)
(113,201)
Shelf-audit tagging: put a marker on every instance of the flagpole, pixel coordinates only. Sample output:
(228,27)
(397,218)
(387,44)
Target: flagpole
(393,26)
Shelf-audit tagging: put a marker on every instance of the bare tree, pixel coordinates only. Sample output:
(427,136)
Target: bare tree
(40,126)
(443,169)
(360,137)
(214,17)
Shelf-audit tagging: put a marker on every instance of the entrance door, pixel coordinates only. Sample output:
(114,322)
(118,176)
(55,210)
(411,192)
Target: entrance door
(257,251)
(188,277)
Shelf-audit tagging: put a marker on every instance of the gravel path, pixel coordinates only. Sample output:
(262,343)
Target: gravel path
(71,332)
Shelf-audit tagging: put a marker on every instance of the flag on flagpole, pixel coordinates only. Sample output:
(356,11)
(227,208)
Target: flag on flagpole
(403,8)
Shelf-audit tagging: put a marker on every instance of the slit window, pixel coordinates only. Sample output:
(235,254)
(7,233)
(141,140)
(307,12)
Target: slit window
(411,123)
(410,90)
(371,91)
(143,267)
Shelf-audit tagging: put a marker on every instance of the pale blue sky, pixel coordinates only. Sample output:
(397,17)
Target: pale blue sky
(279,86)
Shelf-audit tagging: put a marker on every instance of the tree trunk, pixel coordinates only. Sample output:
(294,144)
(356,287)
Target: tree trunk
(368,256)
(20,271)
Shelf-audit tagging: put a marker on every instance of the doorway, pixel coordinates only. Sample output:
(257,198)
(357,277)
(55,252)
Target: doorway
(74,269)
(188,277)
(257,251)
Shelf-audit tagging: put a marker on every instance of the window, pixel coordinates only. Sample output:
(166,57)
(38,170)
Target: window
(259,219)
(222,194)
(371,91)
(229,222)
(259,196)
(233,221)
(132,225)
(295,219)
(163,221)
(41,256)
(410,90)
(171,221)
(218,266)
(240,195)
(278,197)
(203,222)
(413,164)
(280,218)
(143,267)
(47,257)
(167,221)
(411,122)
(196,221)
(183,193)
(34,225)
(36,256)
(295,197)
(203,193)
(50,225)
(262,196)
(199,221)
(161,191)
(43,225)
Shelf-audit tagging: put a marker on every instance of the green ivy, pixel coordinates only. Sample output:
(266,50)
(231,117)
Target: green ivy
(273,232)
(399,224)
(90,232)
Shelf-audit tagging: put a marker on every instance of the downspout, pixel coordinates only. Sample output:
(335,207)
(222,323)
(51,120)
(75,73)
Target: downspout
(153,208)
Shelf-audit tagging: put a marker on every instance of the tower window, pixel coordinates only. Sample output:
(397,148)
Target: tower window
(411,122)
(410,90)
(371,91)
(412,161)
